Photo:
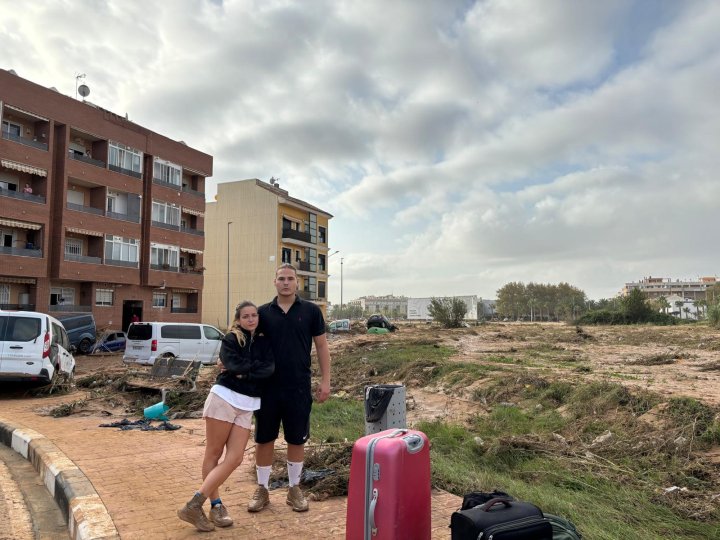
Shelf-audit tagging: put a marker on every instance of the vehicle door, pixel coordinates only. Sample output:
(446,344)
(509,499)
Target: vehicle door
(212,338)
(181,340)
(138,347)
(3,324)
(64,358)
(23,345)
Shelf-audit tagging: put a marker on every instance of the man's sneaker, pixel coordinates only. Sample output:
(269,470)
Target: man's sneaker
(296,499)
(260,499)
(194,514)
(219,516)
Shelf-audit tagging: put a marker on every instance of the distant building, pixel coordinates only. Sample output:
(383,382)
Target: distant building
(393,306)
(683,308)
(417,308)
(486,308)
(266,227)
(655,287)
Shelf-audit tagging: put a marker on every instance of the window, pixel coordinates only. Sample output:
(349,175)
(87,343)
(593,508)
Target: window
(118,248)
(159,300)
(286,255)
(62,295)
(163,212)
(11,128)
(73,246)
(321,289)
(180,331)
(312,228)
(311,255)
(21,328)
(212,333)
(166,171)
(103,297)
(125,157)
(322,235)
(4,294)
(161,255)
(321,263)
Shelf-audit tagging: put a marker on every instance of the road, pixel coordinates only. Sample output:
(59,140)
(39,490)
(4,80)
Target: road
(27,512)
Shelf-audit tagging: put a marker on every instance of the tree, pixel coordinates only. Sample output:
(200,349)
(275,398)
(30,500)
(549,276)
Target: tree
(450,312)
(687,312)
(663,304)
(636,307)
(679,305)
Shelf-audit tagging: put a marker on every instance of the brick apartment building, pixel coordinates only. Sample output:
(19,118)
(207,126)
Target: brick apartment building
(97,214)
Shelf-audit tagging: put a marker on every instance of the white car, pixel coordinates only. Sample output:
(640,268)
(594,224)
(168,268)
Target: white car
(148,341)
(33,347)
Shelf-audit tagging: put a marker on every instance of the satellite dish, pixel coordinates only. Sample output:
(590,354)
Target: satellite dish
(84,90)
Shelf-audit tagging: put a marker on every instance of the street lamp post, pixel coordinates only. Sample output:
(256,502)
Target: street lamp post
(227,308)
(341,282)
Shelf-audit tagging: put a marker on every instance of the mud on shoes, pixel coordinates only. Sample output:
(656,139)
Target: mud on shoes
(297,500)
(260,499)
(219,516)
(194,514)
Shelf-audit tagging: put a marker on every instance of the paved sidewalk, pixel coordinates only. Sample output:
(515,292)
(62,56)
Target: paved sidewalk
(144,477)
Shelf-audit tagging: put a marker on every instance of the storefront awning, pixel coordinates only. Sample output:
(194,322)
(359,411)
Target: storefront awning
(23,111)
(20,280)
(84,231)
(193,251)
(193,212)
(20,224)
(23,168)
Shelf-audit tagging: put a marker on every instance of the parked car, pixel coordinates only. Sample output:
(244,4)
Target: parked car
(112,342)
(33,347)
(379,320)
(148,341)
(80,328)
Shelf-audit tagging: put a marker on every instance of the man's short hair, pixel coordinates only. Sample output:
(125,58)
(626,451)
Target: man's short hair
(285,266)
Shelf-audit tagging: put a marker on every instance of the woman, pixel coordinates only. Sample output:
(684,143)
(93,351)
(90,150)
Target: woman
(247,360)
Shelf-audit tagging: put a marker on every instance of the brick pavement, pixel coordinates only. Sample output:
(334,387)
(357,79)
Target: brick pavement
(144,477)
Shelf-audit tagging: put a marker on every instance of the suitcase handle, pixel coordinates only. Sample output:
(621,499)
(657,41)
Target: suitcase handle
(492,502)
(371,512)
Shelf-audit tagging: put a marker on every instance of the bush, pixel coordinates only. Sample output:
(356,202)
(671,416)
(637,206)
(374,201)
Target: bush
(714,315)
(449,312)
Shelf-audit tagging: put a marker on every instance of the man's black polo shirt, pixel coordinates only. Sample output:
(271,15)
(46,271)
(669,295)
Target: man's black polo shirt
(291,337)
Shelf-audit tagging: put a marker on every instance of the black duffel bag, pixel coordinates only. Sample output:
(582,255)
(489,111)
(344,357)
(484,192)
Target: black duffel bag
(501,519)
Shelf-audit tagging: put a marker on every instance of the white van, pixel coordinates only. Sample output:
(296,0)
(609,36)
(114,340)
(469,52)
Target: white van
(147,341)
(33,347)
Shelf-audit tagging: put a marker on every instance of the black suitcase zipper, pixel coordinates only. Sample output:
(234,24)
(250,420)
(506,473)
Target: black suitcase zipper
(510,525)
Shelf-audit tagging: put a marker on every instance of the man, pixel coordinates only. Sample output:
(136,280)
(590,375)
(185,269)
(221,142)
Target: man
(293,325)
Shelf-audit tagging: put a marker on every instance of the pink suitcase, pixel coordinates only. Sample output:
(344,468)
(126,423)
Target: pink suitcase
(389,489)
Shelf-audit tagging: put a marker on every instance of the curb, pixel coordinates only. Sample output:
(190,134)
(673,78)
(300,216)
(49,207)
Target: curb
(81,506)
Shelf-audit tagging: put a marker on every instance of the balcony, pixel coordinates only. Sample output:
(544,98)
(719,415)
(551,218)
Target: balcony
(85,159)
(161,182)
(307,295)
(164,267)
(22,196)
(303,266)
(192,231)
(24,140)
(122,170)
(117,262)
(86,209)
(83,259)
(183,310)
(296,235)
(18,307)
(70,308)
(123,217)
(168,226)
(21,252)
(192,192)
(191,270)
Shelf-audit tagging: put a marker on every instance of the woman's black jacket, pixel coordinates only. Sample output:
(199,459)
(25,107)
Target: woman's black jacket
(247,367)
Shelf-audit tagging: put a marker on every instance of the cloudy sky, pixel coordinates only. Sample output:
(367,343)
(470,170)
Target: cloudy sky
(459,144)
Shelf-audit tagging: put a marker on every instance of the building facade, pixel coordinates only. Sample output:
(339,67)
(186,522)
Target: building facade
(655,287)
(252,228)
(97,213)
(390,305)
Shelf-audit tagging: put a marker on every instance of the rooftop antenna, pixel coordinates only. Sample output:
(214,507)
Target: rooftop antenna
(79,76)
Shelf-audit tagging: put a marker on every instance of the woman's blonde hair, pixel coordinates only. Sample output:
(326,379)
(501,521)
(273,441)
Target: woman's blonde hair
(236,328)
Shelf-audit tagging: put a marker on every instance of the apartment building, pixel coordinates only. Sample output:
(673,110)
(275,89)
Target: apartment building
(393,306)
(655,287)
(253,227)
(97,213)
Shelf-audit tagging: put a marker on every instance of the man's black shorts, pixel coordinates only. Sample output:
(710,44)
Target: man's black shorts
(289,407)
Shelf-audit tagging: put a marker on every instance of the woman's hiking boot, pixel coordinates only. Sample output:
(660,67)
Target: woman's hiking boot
(194,514)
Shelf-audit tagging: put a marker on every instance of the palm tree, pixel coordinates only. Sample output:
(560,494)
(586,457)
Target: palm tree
(687,312)
(663,303)
(679,305)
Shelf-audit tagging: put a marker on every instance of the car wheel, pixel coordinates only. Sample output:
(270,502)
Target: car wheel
(168,356)
(84,346)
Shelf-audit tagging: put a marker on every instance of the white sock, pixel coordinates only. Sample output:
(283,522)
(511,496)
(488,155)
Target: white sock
(263,475)
(294,471)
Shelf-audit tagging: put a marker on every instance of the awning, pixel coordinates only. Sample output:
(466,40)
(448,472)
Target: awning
(193,251)
(23,111)
(189,291)
(84,231)
(193,212)
(20,224)
(20,280)
(23,168)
